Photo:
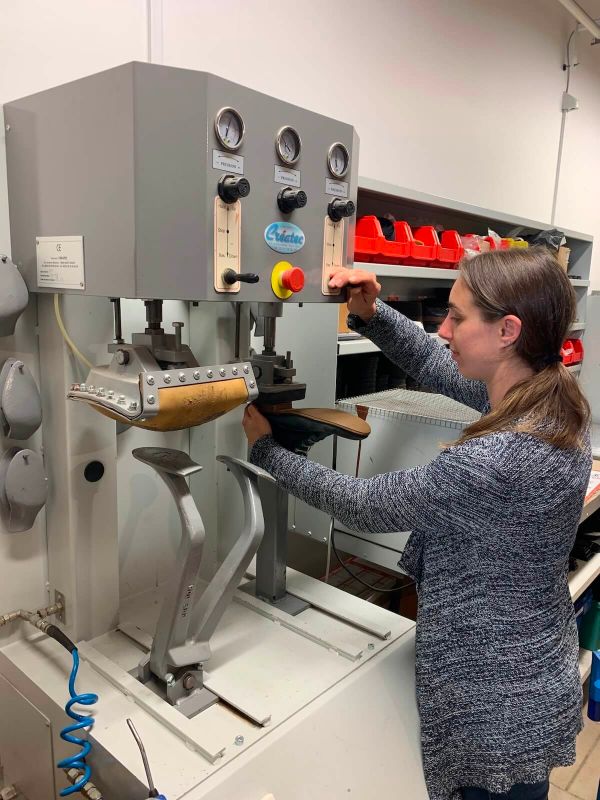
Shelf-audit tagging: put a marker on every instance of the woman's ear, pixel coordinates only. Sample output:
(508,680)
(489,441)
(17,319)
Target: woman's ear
(510,329)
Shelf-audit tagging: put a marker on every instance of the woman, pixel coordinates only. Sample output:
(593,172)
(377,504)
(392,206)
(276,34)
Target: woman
(492,522)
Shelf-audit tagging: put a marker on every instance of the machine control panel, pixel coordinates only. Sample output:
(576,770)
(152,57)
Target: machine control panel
(227,185)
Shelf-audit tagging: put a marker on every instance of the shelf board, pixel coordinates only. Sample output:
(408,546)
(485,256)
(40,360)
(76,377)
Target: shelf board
(348,347)
(583,576)
(486,214)
(424,273)
(579,282)
(585,664)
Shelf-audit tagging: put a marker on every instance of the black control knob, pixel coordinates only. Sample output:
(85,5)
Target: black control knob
(231,188)
(290,199)
(230,276)
(338,209)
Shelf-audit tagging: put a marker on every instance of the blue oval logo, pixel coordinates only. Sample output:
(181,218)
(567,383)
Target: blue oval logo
(284,237)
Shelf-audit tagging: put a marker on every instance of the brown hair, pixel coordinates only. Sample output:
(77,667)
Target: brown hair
(531,285)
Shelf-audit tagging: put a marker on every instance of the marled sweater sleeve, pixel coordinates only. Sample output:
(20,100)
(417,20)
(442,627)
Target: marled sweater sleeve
(394,501)
(424,359)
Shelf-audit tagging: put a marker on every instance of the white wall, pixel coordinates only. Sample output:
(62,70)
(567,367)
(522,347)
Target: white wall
(460,99)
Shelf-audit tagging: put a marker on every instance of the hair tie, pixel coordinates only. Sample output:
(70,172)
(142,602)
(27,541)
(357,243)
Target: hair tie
(547,361)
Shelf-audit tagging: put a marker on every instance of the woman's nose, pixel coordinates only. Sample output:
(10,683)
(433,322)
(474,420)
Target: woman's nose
(445,330)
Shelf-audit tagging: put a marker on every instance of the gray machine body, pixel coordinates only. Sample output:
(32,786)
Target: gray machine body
(124,158)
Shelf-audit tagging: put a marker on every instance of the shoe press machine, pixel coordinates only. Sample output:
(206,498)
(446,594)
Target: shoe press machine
(178,185)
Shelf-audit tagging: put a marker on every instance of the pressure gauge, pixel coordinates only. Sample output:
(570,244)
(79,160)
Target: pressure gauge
(288,145)
(229,127)
(338,160)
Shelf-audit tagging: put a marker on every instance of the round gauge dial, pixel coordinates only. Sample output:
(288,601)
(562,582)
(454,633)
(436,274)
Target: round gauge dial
(338,160)
(229,127)
(288,145)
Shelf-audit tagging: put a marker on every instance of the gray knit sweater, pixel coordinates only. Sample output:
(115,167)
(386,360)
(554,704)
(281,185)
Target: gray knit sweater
(493,521)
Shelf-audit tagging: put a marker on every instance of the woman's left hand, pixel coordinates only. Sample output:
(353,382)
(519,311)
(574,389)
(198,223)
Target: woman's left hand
(255,425)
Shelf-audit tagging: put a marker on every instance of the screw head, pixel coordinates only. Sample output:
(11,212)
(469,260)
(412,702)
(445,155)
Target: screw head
(189,681)
(150,380)
(222,372)
(151,399)
(234,371)
(371,646)
(196,374)
(121,399)
(251,384)
(209,373)
(182,377)
(239,740)
(133,406)
(246,370)
(170,679)
(167,378)
(7,127)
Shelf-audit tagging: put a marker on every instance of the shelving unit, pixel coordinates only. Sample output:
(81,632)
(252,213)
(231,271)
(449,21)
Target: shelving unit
(584,575)
(585,664)
(418,208)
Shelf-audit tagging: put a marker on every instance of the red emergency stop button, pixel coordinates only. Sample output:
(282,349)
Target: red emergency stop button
(293,279)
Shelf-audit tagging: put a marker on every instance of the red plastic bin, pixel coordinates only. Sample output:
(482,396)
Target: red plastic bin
(424,248)
(577,351)
(398,251)
(567,352)
(366,239)
(450,250)
(371,245)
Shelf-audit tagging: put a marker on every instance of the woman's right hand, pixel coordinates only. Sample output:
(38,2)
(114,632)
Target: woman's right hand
(363,290)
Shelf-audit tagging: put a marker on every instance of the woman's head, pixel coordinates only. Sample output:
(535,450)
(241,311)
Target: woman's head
(509,305)
(513,308)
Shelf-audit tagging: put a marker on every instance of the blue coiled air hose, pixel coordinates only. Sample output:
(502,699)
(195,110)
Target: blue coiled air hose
(77,761)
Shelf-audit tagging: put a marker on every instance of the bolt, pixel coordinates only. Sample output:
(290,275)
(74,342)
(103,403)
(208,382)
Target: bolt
(234,371)
(111,393)
(167,378)
(209,373)
(246,370)
(91,388)
(150,380)
(371,646)
(133,406)
(83,387)
(170,678)
(189,681)
(150,399)
(122,357)
(182,377)
(222,372)
(251,384)
(196,374)
(239,740)
(121,399)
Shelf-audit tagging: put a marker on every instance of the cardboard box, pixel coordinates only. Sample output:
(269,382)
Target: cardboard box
(563,257)
(343,316)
